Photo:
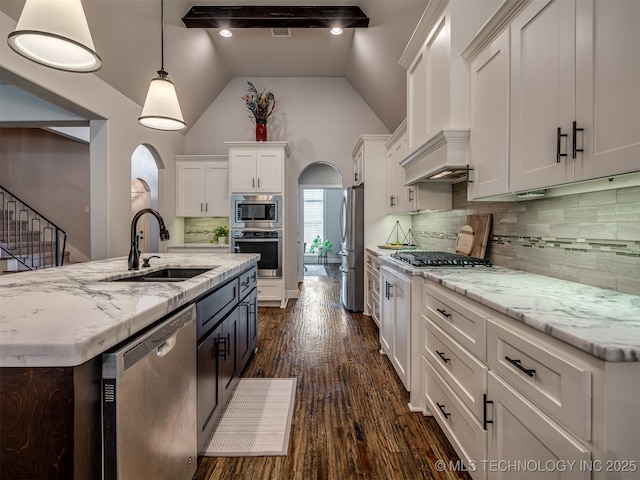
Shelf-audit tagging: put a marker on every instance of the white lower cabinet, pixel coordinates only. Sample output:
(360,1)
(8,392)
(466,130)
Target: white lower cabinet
(460,425)
(516,403)
(395,321)
(372,284)
(270,291)
(529,444)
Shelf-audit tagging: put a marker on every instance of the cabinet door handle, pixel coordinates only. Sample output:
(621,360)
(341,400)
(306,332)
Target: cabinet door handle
(443,312)
(253,183)
(441,355)
(575,140)
(516,363)
(355,177)
(222,347)
(387,290)
(559,142)
(258,182)
(469,176)
(485,402)
(411,195)
(200,207)
(441,407)
(206,207)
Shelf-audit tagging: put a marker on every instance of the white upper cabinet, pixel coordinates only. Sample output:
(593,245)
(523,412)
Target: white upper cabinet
(489,144)
(395,173)
(573,91)
(607,88)
(542,94)
(257,167)
(202,186)
(438,87)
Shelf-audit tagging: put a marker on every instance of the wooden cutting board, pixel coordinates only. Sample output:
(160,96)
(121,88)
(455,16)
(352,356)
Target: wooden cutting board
(464,242)
(481,224)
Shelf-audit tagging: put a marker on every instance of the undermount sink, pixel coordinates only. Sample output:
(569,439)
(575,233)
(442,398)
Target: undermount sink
(173,274)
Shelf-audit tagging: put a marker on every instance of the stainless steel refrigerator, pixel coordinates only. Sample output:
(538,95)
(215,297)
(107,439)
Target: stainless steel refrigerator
(352,248)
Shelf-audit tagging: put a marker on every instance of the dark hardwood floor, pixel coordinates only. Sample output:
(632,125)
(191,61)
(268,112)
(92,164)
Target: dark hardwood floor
(351,419)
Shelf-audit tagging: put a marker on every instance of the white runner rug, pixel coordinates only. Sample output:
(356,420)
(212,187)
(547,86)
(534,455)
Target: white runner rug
(315,271)
(256,421)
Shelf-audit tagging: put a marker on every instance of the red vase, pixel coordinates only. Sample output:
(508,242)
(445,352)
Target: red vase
(261,131)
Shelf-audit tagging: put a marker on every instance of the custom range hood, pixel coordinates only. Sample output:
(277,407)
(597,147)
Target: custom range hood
(270,16)
(442,158)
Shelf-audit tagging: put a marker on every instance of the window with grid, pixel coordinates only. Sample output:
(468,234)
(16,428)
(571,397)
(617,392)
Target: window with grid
(313,215)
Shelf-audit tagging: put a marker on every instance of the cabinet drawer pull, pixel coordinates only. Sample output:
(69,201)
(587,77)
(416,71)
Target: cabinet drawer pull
(443,312)
(576,150)
(441,355)
(558,154)
(245,284)
(441,407)
(485,402)
(516,363)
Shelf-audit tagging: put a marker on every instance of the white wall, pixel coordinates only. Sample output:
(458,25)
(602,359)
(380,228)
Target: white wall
(320,118)
(115,136)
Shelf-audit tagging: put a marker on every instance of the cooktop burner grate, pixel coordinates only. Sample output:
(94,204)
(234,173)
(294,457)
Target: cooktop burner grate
(438,259)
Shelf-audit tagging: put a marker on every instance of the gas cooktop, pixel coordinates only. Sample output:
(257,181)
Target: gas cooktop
(420,259)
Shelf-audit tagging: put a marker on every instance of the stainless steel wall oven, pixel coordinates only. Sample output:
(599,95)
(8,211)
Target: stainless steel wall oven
(256,211)
(268,243)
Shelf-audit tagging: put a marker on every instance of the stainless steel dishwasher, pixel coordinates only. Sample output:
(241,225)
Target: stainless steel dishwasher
(149,403)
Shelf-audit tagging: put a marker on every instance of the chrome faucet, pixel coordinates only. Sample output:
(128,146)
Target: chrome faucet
(134,252)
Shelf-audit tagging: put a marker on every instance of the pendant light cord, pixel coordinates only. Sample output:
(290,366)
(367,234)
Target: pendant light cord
(162,71)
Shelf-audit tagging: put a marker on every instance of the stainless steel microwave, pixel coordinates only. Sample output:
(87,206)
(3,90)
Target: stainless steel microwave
(256,211)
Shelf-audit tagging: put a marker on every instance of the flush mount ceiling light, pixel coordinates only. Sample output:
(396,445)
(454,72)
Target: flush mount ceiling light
(336,31)
(225,33)
(161,109)
(267,16)
(55,34)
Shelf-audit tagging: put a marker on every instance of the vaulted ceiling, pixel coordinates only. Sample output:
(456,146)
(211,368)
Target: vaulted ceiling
(126,34)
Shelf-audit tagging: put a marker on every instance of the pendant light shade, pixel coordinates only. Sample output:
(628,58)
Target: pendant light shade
(55,33)
(161,109)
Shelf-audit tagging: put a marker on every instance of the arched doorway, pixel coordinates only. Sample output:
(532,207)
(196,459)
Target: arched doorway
(145,163)
(319,193)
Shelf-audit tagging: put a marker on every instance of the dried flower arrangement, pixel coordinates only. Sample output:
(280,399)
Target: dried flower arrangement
(260,104)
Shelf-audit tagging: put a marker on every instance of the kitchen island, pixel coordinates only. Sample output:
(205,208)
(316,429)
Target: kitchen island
(54,326)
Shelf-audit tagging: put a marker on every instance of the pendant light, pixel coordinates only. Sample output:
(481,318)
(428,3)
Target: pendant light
(161,109)
(55,33)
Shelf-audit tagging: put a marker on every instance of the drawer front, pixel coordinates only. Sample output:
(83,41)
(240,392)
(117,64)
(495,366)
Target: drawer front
(456,317)
(558,385)
(216,306)
(248,281)
(464,374)
(459,425)
(520,433)
(269,291)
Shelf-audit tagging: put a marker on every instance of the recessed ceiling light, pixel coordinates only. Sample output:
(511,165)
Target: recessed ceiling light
(225,33)
(336,31)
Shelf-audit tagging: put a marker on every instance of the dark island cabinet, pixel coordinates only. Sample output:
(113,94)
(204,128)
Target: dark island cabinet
(227,337)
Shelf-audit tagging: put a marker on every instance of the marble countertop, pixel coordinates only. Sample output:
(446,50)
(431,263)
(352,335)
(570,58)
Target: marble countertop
(603,323)
(65,316)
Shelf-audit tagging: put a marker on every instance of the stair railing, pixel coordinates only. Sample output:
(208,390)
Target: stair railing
(28,236)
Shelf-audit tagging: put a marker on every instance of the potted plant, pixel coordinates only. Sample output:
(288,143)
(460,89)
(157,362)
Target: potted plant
(220,233)
(322,247)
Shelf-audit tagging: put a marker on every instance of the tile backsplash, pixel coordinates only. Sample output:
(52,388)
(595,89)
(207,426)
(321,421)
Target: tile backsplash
(590,238)
(200,230)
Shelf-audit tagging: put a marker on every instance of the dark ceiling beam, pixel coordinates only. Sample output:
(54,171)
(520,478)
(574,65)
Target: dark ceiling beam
(275,17)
